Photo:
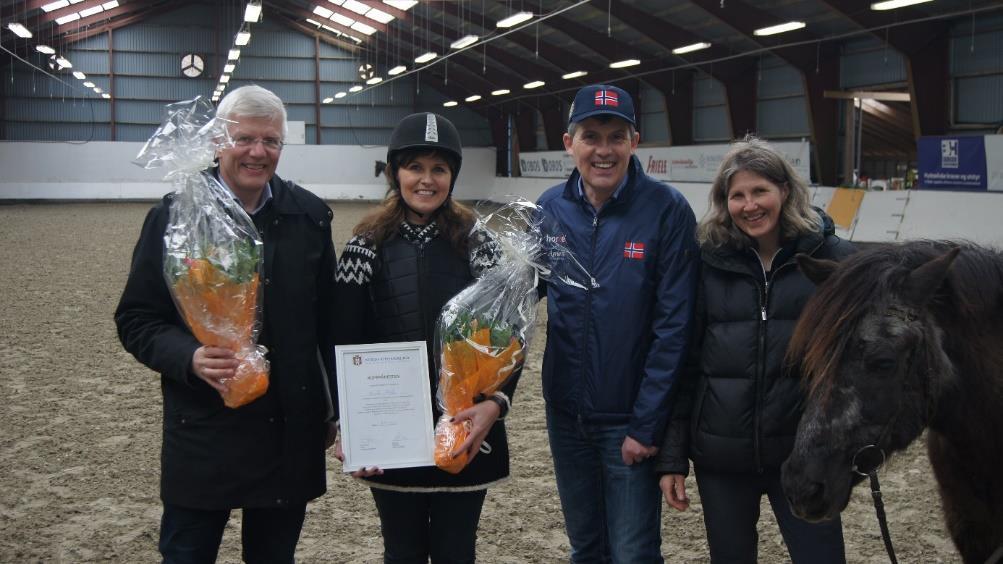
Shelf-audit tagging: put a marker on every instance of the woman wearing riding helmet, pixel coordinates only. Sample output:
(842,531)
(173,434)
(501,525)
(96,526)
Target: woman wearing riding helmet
(407,258)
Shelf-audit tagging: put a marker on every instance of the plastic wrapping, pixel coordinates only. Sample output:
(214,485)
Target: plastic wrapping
(483,333)
(212,251)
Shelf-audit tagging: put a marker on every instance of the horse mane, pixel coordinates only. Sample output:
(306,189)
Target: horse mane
(833,315)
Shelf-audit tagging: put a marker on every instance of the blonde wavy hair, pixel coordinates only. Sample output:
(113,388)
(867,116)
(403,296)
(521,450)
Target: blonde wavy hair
(754,155)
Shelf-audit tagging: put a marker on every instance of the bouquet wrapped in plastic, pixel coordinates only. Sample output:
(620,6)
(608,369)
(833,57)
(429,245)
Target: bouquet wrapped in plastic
(484,331)
(212,251)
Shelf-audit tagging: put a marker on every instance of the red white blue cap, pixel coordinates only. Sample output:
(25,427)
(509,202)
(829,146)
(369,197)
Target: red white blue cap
(602,99)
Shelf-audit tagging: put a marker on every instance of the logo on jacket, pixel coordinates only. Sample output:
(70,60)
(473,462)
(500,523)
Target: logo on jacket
(357,360)
(607,98)
(633,250)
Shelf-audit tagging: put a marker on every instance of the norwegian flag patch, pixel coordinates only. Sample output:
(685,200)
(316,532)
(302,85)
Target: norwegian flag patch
(607,98)
(633,250)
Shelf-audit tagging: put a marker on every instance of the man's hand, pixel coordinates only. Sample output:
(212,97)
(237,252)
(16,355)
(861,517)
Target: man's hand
(481,416)
(674,489)
(633,452)
(212,364)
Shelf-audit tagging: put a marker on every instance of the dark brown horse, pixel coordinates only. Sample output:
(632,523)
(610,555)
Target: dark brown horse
(898,339)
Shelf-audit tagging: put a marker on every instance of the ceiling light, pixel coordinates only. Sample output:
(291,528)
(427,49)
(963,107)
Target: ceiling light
(379,15)
(515,19)
(343,20)
(76,1)
(575,74)
(779,28)
(106,96)
(894,4)
(243,37)
(63,63)
(473,98)
(690,48)
(322,12)
(80,75)
(314,22)
(55,5)
(110,5)
(337,2)
(450,104)
(19,30)
(375,80)
(97,90)
(363,28)
(534,84)
(87,12)
(228,68)
(252,12)
(501,92)
(355,88)
(67,19)
(332,30)
(426,57)
(341,95)
(396,70)
(233,55)
(624,63)
(355,6)
(402,5)
(328,100)
(224,79)
(465,41)
(89,84)
(45,49)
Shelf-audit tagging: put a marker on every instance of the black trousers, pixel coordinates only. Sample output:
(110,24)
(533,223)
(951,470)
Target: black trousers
(268,535)
(731,510)
(438,525)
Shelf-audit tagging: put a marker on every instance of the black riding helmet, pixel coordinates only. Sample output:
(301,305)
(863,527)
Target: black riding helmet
(426,130)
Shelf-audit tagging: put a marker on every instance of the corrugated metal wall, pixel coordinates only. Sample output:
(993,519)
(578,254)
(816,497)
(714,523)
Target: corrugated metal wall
(977,73)
(710,110)
(147,74)
(866,61)
(781,108)
(654,119)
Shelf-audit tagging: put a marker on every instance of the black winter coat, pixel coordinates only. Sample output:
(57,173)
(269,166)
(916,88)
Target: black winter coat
(271,451)
(739,409)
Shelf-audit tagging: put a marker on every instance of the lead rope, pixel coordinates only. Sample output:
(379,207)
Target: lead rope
(871,472)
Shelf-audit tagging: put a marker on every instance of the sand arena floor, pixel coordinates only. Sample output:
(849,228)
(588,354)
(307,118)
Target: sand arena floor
(80,430)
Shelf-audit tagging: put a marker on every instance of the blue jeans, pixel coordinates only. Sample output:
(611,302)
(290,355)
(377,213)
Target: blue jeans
(612,512)
(731,511)
(192,536)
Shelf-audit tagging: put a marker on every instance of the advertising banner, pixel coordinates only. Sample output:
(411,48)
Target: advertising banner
(952,163)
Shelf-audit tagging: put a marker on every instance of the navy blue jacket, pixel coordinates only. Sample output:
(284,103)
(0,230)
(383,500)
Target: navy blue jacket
(614,352)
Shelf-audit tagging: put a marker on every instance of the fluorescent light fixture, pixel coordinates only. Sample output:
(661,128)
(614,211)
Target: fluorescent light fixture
(343,20)
(402,5)
(396,70)
(110,5)
(328,100)
(64,63)
(779,28)
(228,68)
(575,74)
(690,48)
(515,19)
(353,38)
(450,104)
(45,49)
(252,12)
(341,94)
(76,1)
(624,63)
(337,2)
(233,55)
(500,92)
(332,30)
(322,12)
(363,28)
(89,84)
(465,41)
(106,96)
(243,37)
(426,57)
(355,88)
(224,79)
(473,98)
(67,19)
(355,6)
(534,84)
(894,4)
(19,30)
(87,12)
(375,80)
(96,90)
(55,6)
(379,15)
(79,75)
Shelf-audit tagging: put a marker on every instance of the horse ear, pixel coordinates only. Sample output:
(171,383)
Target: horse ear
(816,270)
(924,281)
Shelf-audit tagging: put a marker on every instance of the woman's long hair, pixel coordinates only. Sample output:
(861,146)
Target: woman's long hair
(754,155)
(453,218)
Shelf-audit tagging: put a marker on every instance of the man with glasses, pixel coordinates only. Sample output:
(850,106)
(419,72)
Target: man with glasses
(266,457)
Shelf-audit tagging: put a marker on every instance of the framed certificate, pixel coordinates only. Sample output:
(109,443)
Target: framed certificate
(385,405)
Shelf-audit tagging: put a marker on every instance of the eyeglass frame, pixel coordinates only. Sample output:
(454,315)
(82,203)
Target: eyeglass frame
(246,141)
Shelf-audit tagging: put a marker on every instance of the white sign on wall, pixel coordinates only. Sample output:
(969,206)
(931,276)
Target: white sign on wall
(692,163)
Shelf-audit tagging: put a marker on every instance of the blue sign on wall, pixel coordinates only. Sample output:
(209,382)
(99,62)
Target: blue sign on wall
(952,163)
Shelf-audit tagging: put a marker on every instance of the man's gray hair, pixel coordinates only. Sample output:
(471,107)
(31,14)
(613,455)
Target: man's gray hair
(252,101)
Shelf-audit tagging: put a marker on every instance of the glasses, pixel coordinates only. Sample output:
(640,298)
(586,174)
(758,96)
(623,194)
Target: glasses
(269,143)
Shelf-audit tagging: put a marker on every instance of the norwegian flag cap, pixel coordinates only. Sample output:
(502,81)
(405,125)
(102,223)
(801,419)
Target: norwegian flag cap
(602,99)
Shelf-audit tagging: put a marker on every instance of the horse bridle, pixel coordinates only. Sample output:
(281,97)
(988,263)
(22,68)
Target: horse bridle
(871,472)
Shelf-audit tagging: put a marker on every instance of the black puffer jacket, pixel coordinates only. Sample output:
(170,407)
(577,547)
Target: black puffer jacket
(738,410)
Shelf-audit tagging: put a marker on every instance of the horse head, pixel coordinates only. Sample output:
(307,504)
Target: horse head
(871,351)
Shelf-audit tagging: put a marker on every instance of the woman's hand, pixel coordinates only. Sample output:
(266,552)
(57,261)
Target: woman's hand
(674,489)
(481,417)
(361,472)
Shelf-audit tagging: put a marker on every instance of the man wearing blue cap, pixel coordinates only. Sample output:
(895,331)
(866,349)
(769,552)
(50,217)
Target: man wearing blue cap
(614,351)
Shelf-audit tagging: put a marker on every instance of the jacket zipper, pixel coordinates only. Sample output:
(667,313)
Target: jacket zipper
(588,313)
(764,298)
